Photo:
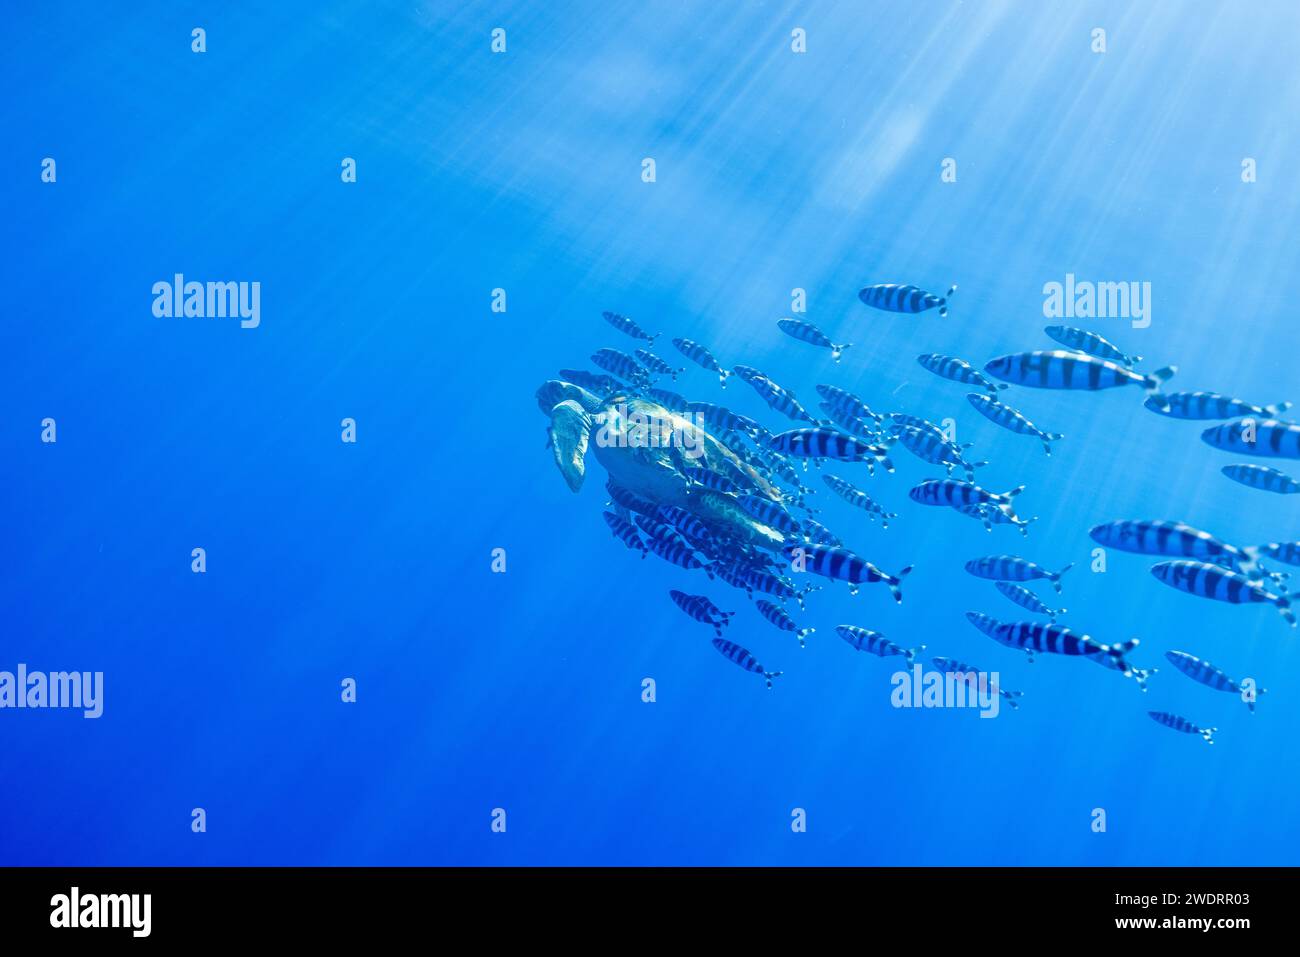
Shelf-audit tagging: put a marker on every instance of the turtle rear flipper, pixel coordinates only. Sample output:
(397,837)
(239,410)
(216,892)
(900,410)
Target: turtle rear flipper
(569,432)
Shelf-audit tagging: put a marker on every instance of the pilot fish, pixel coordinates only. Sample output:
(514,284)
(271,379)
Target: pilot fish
(1220,584)
(999,413)
(840,564)
(991,516)
(1176,540)
(807,332)
(931,448)
(626,325)
(1179,723)
(1058,369)
(1210,676)
(1267,437)
(958,370)
(895,298)
(702,610)
(1263,478)
(778,617)
(825,443)
(626,532)
(1211,405)
(1091,343)
(652,362)
(1009,568)
(846,402)
(973,676)
(780,400)
(858,499)
(621,365)
(702,357)
(1059,640)
(874,642)
(952,492)
(740,656)
(1025,598)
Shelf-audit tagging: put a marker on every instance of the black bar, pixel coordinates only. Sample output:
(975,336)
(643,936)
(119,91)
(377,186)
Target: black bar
(330,905)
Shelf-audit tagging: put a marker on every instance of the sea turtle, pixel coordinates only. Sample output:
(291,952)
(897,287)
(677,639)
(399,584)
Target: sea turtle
(651,452)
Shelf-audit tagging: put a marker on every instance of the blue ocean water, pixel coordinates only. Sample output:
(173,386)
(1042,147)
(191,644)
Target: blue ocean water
(522,171)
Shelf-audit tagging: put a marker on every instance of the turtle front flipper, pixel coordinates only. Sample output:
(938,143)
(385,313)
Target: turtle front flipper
(570,431)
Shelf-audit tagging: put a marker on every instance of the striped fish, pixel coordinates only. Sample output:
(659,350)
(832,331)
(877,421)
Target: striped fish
(749,373)
(652,362)
(928,447)
(669,400)
(1210,676)
(677,554)
(840,564)
(770,584)
(625,325)
(858,499)
(739,656)
(622,365)
(702,610)
(864,429)
(1058,369)
(1025,598)
(846,403)
(723,419)
(990,626)
(807,332)
(777,616)
(1173,539)
(895,298)
(702,357)
(684,522)
(707,478)
(874,642)
(819,533)
(780,400)
(1220,584)
(734,574)
(1179,723)
(973,676)
(660,532)
(1009,568)
(1268,437)
(958,370)
(826,443)
(1084,341)
(603,385)
(1263,478)
(904,420)
(991,515)
(770,513)
(952,492)
(1059,640)
(999,413)
(625,531)
(630,500)
(1211,405)
(1288,552)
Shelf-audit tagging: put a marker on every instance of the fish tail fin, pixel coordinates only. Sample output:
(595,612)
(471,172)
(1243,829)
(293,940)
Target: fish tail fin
(1284,606)
(895,584)
(887,464)
(723,375)
(1140,675)
(1277,408)
(769,675)
(909,654)
(1006,496)
(1154,381)
(837,352)
(943,303)
(1132,360)
(708,570)
(999,386)
(1119,651)
(1055,579)
(1208,734)
(1024,528)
